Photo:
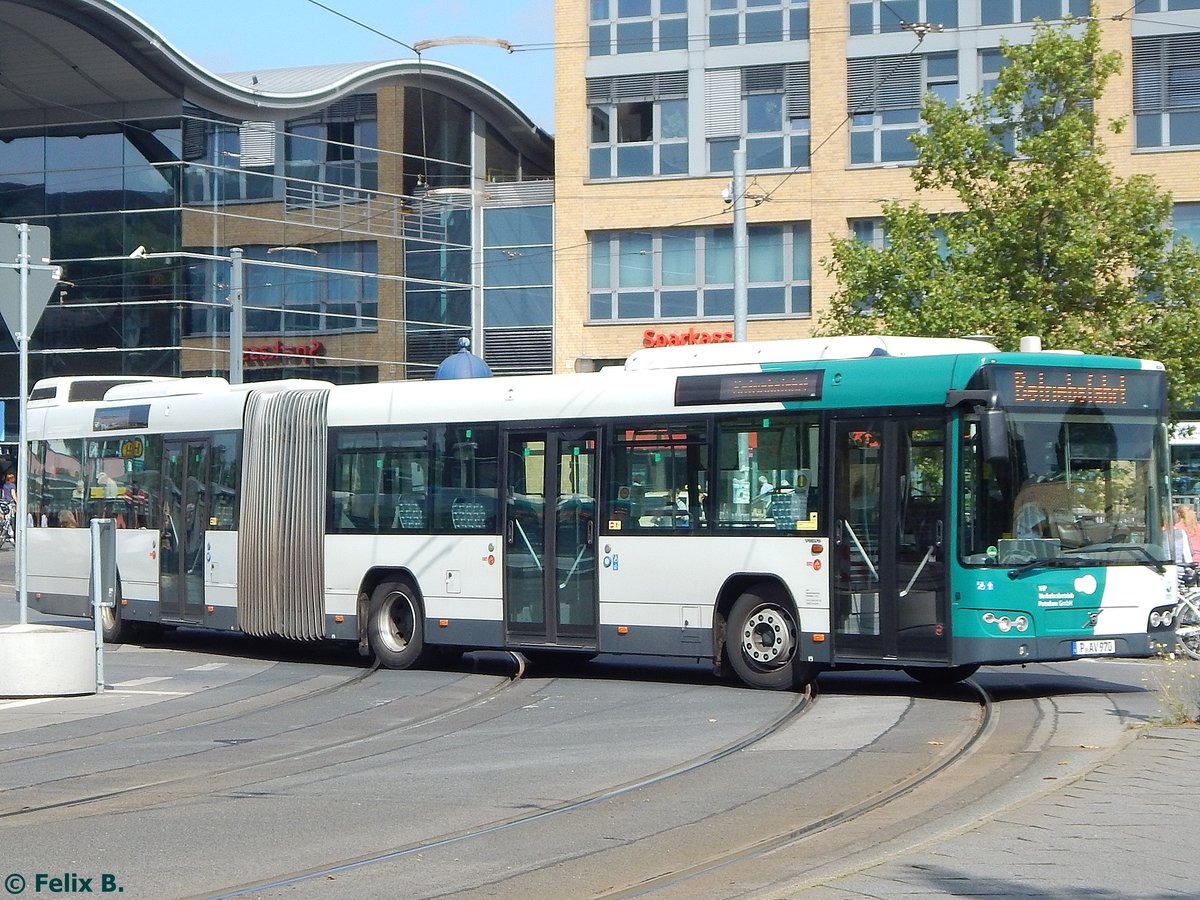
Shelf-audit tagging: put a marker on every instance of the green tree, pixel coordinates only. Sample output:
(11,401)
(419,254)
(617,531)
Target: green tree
(1046,240)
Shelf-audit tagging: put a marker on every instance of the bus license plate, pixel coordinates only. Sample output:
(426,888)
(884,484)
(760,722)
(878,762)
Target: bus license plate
(1093,648)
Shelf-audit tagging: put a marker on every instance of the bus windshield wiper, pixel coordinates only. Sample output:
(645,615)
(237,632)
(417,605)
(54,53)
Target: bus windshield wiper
(1053,562)
(1150,559)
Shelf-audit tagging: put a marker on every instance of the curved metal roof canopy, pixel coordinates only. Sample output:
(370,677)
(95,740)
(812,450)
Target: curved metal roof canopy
(71,60)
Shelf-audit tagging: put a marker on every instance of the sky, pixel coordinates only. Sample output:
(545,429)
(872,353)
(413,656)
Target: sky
(243,35)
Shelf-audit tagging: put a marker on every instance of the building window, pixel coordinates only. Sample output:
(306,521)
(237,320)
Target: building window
(639,126)
(884,94)
(227,162)
(732,22)
(687,273)
(871,232)
(1166,90)
(290,301)
(1153,6)
(330,155)
(884,16)
(763,109)
(1185,219)
(1005,12)
(518,264)
(637,26)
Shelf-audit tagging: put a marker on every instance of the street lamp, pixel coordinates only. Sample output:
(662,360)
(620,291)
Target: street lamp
(420,47)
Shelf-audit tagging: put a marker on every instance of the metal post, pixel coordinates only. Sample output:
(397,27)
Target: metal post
(22,443)
(741,247)
(103,586)
(236,314)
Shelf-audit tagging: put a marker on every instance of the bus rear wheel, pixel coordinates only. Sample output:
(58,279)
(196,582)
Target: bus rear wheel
(396,626)
(763,642)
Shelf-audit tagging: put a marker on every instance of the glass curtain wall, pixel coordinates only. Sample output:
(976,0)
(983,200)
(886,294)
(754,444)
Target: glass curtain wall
(102,188)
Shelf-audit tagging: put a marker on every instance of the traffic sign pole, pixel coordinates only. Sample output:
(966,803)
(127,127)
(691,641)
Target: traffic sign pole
(22,309)
(22,443)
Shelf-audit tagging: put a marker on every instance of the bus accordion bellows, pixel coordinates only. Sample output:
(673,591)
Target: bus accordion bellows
(779,508)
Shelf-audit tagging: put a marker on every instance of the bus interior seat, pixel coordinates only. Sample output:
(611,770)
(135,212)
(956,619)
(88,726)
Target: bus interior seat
(786,509)
(409,516)
(468,514)
(341,511)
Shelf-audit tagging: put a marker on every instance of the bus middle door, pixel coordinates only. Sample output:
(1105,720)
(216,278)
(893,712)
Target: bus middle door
(550,539)
(889,543)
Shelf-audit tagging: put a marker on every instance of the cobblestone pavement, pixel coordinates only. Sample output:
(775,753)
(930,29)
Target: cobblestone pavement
(1130,828)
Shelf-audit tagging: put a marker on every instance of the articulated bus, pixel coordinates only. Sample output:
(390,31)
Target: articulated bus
(777,508)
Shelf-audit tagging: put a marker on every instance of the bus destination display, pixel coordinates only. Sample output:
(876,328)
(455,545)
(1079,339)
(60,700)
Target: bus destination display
(120,417)
(1032,386)
(748,387)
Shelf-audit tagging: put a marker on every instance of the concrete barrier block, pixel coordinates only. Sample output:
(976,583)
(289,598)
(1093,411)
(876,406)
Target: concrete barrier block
(46,661)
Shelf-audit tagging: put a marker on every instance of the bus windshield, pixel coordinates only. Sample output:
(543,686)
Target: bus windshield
(1080,486)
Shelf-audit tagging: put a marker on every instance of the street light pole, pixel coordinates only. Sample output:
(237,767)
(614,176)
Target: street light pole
(236,313)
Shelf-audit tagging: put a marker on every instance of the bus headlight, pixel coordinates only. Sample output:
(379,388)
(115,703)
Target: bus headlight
(1162,617)
(1003,623)
(1022,623)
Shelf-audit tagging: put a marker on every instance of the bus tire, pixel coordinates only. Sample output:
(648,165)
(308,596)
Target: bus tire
(113,627)
(944,676)
(396,626)
(763,641)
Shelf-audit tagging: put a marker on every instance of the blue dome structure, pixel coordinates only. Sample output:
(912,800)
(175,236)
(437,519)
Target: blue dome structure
(462,364)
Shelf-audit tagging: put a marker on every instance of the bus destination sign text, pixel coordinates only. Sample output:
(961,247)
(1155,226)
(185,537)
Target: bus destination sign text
(1027,387)
(748,387)
(1092,388)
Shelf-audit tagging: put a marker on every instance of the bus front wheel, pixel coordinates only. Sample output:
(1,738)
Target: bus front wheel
(762,642)
(396,626)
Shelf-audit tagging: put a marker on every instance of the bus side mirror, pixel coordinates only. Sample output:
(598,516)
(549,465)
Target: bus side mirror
(993,436)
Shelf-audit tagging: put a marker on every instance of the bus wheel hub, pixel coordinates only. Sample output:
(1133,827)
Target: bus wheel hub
(767,637)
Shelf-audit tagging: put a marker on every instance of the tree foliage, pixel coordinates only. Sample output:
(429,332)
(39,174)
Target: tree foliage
(1049,241)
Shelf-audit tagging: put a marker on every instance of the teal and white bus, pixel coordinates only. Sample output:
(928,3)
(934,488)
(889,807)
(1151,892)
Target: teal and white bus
(778,508)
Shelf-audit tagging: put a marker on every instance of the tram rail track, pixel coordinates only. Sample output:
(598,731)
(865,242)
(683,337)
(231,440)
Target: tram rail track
(803,702)
(215,714)
(794,814)
(767,844)
(144,791)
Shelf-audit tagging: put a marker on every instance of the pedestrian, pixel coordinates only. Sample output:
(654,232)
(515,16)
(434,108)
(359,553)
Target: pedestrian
(1186,522)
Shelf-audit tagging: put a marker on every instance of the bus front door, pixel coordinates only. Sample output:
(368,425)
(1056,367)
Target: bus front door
(184,521)
(889,588)
(550,539)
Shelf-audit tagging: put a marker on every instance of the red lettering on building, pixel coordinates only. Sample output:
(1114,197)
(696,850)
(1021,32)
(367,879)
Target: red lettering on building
(279,354)
(652,338)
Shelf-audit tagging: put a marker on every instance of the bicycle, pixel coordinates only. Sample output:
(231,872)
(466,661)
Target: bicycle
(1187,612)
(8,524)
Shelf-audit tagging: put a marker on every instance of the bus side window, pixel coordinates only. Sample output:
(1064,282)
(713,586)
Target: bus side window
(465,475)
(768,470)
(63,487)
(658,478)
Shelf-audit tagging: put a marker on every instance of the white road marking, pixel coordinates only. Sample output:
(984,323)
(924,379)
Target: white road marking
(138,682)
(30,702)
(207,667)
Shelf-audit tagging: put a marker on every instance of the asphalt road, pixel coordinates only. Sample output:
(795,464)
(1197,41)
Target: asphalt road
(225,766)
